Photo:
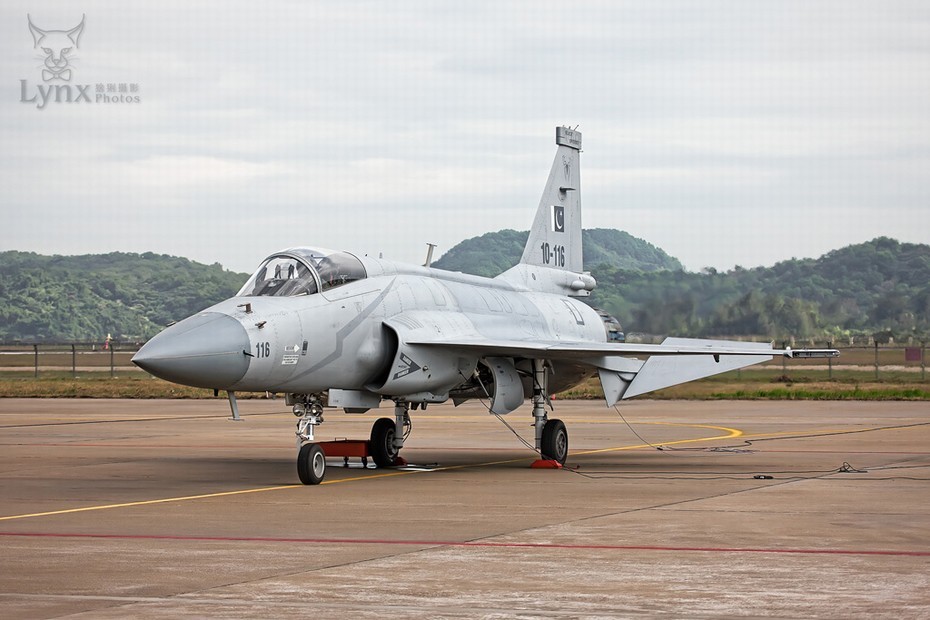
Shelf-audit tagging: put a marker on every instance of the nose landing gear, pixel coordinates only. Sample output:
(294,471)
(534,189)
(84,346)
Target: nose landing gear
(311,461)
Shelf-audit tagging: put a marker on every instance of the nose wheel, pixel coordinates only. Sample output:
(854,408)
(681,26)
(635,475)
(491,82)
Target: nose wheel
(311,464)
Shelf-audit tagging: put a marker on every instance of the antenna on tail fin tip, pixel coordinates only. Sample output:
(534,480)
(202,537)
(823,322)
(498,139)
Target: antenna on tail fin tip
(568,137)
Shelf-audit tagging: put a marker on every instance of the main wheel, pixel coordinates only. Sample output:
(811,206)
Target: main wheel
(383,451)
(555,441)
(311,464)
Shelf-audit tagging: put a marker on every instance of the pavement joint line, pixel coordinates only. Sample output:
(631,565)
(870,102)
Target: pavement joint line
(338,608)
(733,433)
(475,544)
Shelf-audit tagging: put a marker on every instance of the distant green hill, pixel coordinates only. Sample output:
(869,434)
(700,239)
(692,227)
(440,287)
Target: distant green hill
(496,252)
(879,286)
(882,286)
(131,296)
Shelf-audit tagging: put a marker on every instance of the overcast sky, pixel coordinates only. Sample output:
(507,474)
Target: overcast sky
(723,132)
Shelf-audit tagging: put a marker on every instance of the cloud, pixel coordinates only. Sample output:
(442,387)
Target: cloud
(379,126)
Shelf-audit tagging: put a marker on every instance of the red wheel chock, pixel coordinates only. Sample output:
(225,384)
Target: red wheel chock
(546,464)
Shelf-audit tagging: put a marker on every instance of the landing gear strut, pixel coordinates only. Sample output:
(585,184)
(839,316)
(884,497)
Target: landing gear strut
(311,461)
(551,435)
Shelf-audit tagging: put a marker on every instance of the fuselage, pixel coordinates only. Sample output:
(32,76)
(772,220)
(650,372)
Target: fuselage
(350,336)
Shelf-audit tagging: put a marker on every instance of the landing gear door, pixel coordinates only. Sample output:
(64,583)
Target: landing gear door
(508,388)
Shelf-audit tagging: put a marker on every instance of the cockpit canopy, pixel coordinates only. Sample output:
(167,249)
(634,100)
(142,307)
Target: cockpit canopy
(303,271)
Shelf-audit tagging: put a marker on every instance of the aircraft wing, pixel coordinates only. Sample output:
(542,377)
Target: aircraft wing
(581,350)
(675,361)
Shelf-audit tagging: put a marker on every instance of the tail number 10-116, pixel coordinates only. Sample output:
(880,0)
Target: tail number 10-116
(553,255)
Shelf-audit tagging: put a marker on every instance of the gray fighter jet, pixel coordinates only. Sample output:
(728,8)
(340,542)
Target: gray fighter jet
(334,329)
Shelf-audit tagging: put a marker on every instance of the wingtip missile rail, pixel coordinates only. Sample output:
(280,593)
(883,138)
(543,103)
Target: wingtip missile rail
(810,353)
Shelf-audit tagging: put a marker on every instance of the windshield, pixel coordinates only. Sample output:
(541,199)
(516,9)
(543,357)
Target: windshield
(292,273)
(282,276)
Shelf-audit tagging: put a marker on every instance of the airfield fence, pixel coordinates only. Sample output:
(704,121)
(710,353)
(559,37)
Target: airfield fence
(78,358)
(878,361)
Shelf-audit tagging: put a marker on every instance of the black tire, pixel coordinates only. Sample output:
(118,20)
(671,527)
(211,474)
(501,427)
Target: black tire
(311,464)
(382,447)
(555,441)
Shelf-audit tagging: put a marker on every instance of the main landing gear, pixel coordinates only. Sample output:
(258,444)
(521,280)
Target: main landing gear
(387,438)
(551,435)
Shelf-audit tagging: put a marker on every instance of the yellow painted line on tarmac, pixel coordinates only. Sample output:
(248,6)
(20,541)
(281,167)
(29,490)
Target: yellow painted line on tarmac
(735,433)
(387,474)
(147,502)
(185,498)
(814,434)
(731,433)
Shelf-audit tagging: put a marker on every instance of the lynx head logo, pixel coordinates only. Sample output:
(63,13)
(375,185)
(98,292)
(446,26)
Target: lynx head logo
(56,47)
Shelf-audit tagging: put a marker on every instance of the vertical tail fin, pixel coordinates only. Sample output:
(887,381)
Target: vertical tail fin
(554,243)
(555,239)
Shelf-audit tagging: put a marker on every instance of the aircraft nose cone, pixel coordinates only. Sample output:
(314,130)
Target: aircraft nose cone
(206,350)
